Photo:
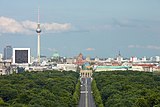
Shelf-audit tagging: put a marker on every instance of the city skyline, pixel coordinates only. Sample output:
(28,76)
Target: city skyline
(95,28)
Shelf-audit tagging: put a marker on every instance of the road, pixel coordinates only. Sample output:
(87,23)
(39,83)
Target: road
(86,98)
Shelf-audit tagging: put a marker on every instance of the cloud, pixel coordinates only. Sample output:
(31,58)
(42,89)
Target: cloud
(90,49)
(114,24)
(101,27)
(9,25)
(51,49)
(56,26)
(124,23)
(153,47)
(136,46)
(29,25)
(135,23)
(145,47)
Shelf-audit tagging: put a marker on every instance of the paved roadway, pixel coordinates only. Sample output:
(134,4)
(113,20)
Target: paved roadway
(86,98)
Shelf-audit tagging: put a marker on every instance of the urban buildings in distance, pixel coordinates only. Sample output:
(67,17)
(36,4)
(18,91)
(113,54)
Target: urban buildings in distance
(21,60)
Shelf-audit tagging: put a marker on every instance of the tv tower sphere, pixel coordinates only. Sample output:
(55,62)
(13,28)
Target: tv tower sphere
(38,30)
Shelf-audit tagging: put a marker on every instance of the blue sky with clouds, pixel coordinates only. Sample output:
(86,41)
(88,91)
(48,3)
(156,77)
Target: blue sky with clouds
(93,27)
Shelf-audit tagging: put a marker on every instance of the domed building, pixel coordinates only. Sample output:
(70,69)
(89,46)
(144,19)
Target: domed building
(55,57)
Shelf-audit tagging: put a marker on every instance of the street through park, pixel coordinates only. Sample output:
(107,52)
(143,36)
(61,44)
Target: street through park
(86,98)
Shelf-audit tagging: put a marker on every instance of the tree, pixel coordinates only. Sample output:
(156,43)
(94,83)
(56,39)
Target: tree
(141,102)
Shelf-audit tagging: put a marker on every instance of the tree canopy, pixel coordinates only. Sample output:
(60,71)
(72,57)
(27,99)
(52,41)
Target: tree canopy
(128,88)
(38,89)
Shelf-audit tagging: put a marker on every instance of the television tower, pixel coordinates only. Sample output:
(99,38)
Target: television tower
(38,30)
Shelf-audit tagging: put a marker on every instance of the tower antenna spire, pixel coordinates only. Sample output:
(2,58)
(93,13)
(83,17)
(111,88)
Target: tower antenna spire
(38,15)
(119,53)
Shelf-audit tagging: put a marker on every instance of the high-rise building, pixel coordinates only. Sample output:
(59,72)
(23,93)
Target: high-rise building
(7,53)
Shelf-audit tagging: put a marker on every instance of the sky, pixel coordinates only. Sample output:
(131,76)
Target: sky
(92,27)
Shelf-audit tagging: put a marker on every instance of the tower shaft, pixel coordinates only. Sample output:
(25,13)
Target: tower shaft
(38,48)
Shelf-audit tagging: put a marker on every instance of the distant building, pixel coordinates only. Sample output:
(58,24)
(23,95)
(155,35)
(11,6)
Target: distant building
(144,59)
(147,67)
(21,55)
(96,59)
(5,68)
(88,59)
(70,60)
(80,60)
(1,56)
(134,59)
(155,59)
(67,67)
(64,59)
(111,68)
(7,53)
(119,58)
(55,57)
(109,60)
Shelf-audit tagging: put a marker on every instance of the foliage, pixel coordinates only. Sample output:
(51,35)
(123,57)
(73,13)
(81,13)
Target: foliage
(38,89)
(96,95)
(76,95)
(128,88)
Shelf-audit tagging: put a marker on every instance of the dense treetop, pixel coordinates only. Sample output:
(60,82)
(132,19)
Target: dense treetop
(38,89)
(128,88)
